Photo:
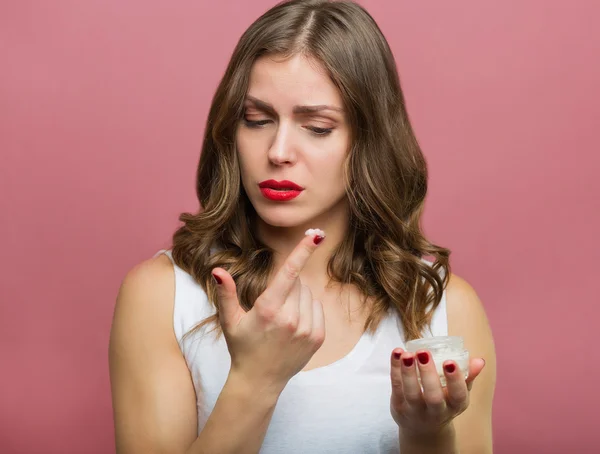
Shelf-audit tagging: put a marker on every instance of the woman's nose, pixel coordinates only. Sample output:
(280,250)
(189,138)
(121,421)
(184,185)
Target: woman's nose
(281,150)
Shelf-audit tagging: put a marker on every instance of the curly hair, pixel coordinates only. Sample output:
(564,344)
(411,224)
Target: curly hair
(385,172)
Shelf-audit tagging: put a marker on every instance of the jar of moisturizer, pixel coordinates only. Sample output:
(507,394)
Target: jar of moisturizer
(442,348)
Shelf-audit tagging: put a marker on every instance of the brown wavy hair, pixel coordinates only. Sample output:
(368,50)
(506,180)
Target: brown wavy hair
(385,171)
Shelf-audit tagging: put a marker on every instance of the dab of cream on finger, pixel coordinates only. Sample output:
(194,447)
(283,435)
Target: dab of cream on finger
(316,232)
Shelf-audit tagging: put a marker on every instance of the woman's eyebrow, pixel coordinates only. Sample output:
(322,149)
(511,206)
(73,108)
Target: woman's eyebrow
(268,108)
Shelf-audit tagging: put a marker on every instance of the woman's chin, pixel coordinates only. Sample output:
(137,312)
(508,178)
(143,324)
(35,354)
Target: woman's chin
(283,220)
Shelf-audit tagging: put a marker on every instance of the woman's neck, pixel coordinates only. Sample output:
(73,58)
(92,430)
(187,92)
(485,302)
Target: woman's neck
(284,239)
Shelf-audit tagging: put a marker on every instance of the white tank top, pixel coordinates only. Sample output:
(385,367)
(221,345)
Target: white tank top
(343,407)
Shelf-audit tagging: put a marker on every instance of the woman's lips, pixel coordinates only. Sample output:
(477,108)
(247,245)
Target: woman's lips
(280,195)
(280,191)
(284,184)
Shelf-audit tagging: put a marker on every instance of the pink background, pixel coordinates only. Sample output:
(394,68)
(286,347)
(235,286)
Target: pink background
(102,107)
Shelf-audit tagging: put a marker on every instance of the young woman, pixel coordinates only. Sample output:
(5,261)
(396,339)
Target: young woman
(277,322)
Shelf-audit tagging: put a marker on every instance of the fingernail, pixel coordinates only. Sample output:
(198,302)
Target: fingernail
(217,279)
(408,361)
(318,239)
(397,355)
(450,368)
(423,358)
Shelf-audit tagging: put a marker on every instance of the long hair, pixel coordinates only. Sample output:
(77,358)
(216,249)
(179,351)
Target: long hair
(385,172)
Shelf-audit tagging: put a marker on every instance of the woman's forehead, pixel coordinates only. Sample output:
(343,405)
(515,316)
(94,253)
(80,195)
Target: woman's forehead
(293,81)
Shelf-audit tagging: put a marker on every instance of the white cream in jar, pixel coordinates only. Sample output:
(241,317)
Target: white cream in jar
(442,348)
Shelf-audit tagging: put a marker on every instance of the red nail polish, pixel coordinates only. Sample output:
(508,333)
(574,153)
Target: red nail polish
(217,279)
(397,355)
(318,239)
(423,357)
(450,368)
(408,361)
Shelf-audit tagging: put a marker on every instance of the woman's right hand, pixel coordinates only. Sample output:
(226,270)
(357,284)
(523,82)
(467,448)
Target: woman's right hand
(274,340)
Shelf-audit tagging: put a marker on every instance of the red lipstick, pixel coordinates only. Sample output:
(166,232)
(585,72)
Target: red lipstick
(280,191)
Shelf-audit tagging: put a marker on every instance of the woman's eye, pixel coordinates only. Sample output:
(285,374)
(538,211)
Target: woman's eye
(255,123)
(260,123)
(320,131)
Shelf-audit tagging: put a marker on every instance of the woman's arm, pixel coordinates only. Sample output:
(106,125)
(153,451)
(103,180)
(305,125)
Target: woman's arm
(470,432)
(154,401)
(442,443)
(467,318)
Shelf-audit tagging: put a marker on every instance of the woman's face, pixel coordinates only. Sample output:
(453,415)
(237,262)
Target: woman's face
(293,130)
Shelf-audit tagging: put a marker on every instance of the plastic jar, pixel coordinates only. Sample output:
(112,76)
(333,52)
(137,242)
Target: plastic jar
(442,348)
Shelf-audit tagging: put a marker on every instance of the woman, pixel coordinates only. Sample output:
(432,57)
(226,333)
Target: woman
(278,320)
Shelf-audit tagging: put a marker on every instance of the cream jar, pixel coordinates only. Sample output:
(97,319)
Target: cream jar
(442,348)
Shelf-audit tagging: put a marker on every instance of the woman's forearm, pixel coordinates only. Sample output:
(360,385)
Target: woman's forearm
(239,420)
(442,443)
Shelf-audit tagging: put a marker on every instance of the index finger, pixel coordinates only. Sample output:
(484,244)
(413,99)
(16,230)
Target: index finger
(286,276)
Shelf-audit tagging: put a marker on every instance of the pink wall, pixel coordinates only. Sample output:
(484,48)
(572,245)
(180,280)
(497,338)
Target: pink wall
(102,106)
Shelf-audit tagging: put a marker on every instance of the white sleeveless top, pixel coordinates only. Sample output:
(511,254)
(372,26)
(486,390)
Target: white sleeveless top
(341,408)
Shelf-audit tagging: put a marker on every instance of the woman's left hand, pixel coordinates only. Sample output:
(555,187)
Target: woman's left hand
(431,410)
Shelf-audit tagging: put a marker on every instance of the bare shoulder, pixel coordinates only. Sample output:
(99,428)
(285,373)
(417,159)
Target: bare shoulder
(467,318)
(153,277)
(144,306)
(458,289)
(153,396)
(144,309)
(464,308)
(146,298)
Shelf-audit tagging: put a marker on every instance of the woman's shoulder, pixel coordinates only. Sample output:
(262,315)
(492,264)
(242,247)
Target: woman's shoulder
(161,298)
(151,276)
(160,279)
(464,309)
(148,288)
(158,266)
(461,297)
(467,318)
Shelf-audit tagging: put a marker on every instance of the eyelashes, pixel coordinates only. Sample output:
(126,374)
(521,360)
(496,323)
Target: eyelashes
(255,124)
(313,129)
(320,131)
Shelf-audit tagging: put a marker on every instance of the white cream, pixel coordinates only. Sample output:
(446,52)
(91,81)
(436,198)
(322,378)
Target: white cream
(315,232)
(443,348)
